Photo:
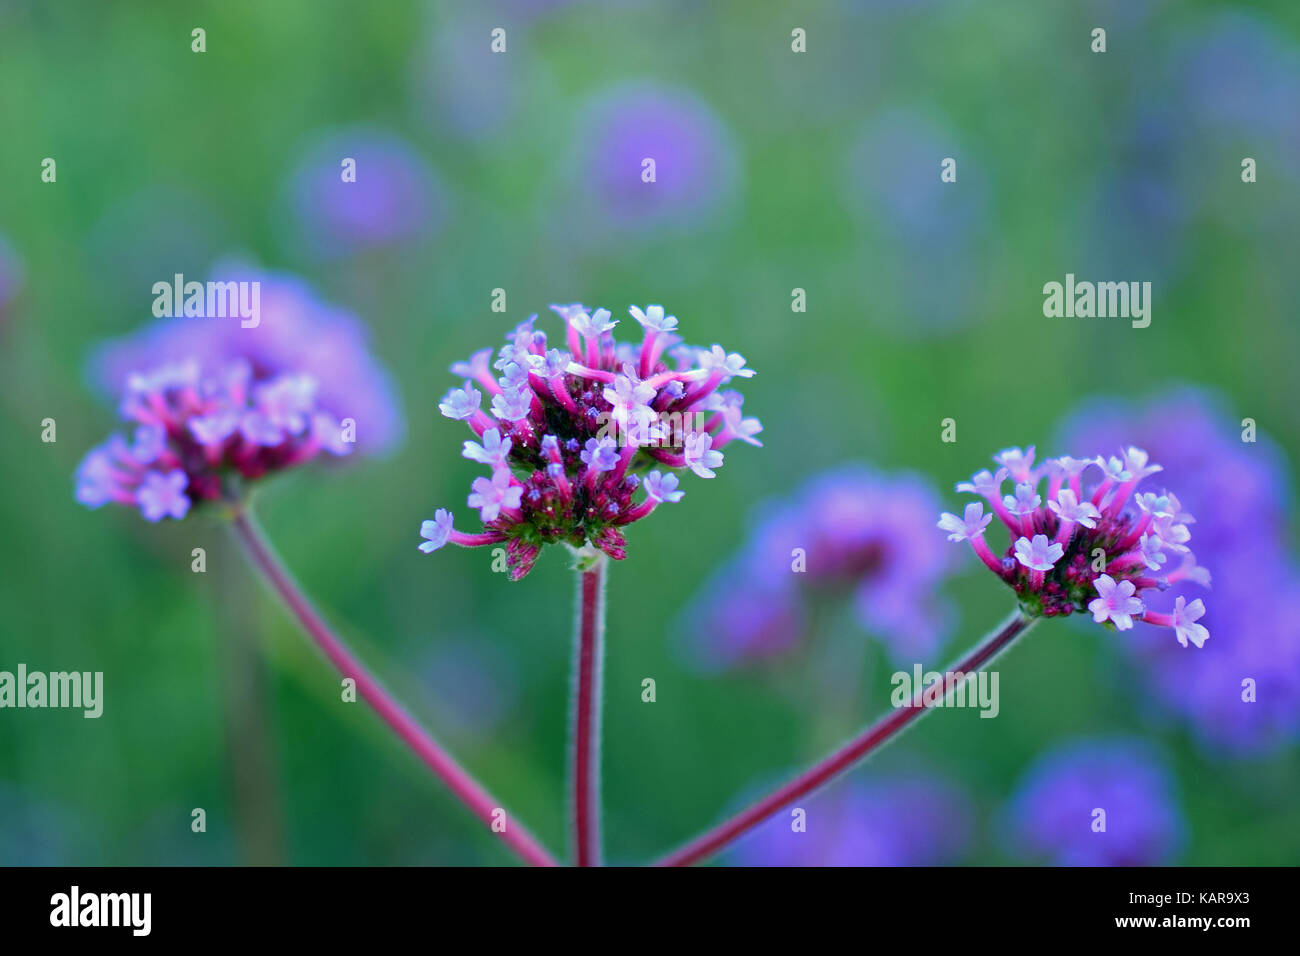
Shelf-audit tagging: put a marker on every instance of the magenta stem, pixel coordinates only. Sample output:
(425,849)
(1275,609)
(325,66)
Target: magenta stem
(870,740)
(584,723)
(444,766)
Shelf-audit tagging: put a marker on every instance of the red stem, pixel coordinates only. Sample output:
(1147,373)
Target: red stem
(584,758)
(856,749)
(457,779)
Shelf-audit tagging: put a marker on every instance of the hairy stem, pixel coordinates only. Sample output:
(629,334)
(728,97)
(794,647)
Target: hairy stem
(584,718)
(861,746)
(458,780)
(254,770)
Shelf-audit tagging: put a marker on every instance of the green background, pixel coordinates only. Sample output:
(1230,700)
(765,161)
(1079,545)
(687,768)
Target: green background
(113,91)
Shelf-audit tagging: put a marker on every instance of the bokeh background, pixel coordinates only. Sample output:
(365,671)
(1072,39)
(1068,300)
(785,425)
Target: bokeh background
(776,171)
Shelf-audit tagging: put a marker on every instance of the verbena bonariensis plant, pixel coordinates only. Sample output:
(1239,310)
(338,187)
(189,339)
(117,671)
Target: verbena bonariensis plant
(1096,546)
(215,410)
(573,434)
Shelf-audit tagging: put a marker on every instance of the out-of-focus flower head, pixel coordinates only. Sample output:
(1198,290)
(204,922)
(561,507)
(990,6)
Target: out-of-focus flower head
(1239,74)
(39,832)
(849,532)
(1239,491)
(572,434)
(298,332)
(1093,540)
(1219,88)
(472,687)
(1096,803)
(395,196)
(904,207)
(695,161)
(11,275)
(212,405)
(914,819)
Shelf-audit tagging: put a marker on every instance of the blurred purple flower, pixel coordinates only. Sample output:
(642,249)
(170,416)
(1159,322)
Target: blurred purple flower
(1239,492)
(1223,89)
(898,6)
(696,165)
(914,819)
(1053,813)
(472,687)
(865,535)
(1134,221)
(36,832)
(11,275)
(1123,13)
(1240,76)
(298,333)
(462,87)
(396,196)
(927,235)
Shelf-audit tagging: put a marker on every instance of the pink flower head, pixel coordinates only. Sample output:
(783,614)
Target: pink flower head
(201,434)
(580,427)
(1076,546)
(300,343)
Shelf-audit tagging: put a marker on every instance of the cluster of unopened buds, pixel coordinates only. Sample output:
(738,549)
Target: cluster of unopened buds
(1092,543)
(200,433)
(573,433)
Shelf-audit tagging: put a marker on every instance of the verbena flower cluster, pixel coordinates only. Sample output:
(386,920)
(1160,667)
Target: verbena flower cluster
(194,431)
(300,332)
(1093,543)
(213,405)
(1239,491)
(573,435)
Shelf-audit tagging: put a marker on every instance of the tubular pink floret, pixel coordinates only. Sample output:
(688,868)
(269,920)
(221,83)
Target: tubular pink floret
(986,554)
(477,540)
(481,422)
